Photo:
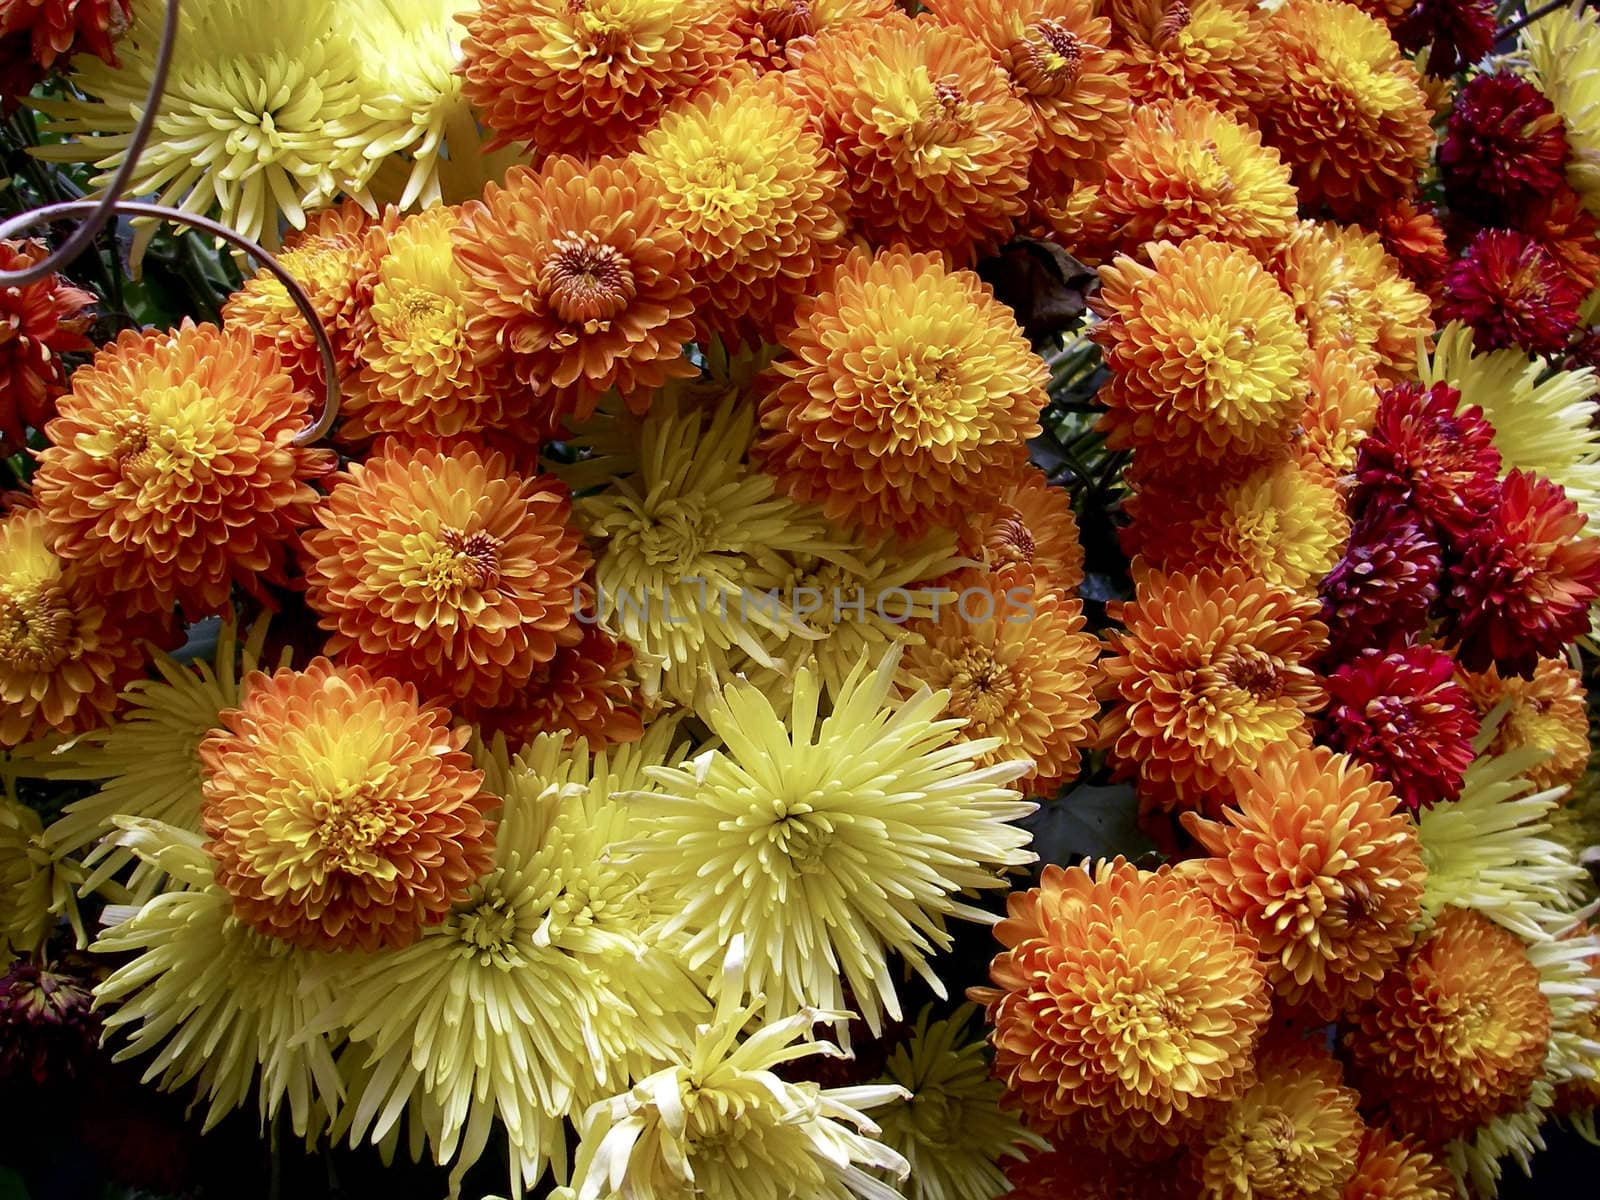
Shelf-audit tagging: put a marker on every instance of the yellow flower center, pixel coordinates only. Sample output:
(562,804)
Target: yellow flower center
(982,690)
(488,929)
(423,316)
(1010,541)
(673,531)
(946,117)
(936,1120)
(350,818)
(801,835)
(1049,59)
(930,398)
(586,282)
(1147,1024)
(36,628)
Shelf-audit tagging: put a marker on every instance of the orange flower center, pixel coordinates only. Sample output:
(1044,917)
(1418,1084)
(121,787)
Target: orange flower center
(981,689)
(35,631)
(787,20)
(945,119)
(1010,540)
(1051,57)
(1254,671)
(586,281)
(464,562)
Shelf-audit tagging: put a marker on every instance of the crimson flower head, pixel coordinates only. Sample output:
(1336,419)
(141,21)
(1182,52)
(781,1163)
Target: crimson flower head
(1505,147)
(1425,456)
(1379,592)
(36,34)
(1404,715)
(1525,579)
(1459,32)
(1513,292)
(39,322)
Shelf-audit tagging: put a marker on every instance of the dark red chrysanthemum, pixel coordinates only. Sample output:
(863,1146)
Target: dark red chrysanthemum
(1513,292)
(1424,456)
(1404,715)
(39,322)
(47,1031)
(1459,31)
(1525,579)
(1379,593)
(1412,234)
(35,35)
(1505,146)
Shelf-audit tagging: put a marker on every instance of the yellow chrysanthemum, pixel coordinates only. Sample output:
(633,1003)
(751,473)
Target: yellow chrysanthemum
(1563,53)
(717,1121)
(556,995)
(951,1128)
(37,886)
(214,1001)
(1548,711)
(835,843)
(1207,48)
(1541,418)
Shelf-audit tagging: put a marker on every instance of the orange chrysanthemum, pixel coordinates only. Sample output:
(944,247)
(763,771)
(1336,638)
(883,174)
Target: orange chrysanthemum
(1295,1135)
(1348,110)
(1208,674)
(1548,710)
(342,815)
(773,33)
(1031,525)
(1185,170)
(1210,49)
(934,146)
(448,569)
(1456,1035)
(758,200)
(173,473)
(1055,54)
(1397,1168)
(63,658)
(1284,522)
(1018,667)
(1206,358)
(1350,295)
(1340,409)
(1086,1173)
(588,77)
(1126,1008)
(585,691)
(334,259)
(420,374)
(577,274)
(42,320)
(906,387)
(1316,863)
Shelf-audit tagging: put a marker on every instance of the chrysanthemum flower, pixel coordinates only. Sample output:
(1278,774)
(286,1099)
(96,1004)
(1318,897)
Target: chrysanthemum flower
(262,117)
(1340,408)
(49,1033)
(1429,456)
(1208,48)
(934,145)
(1411,234)
(1317,865)
(589,77)
(1563,54)
(37,886)
(1512,292)
(1404,714)
(1028,524)
(1086,1172)
(446,568)
(174,475)
(1457,33)
(1525,579)
(1351,294)
(1206,358)
(1456,1035)
(577,274)
(1284,522)
(214,1001)
(1391,1167)
(717,1121)
(905,388)
(1569,233)
(838,841)
(696,548)
(1016,663)
(1126,1008)
(1347,112)
(951,1128)
(759,202)
(1209,672)
(1187,169)
(1547,711)
(1295,1135)
(63,656)
(557,994)
(586,693)
(419,373)
(341,813)
(1378,594)
(773,33)
(43,320)
(1505,147)
(58,29)
(1054,52)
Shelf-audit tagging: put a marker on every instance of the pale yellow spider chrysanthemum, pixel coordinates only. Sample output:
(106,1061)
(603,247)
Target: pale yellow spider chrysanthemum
(1563,54)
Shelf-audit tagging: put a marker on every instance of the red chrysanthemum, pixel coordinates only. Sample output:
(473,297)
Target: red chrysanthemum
(578,275)
(1378,594)
(1457,32)
(39,322)
(1425,457)
(1414,238)
(61,28)
(1525,578)
(1504,147)
(584,691)
(1513,292)
(1404,714)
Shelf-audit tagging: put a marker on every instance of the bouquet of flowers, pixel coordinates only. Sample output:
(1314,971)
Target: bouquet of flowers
(809,598)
